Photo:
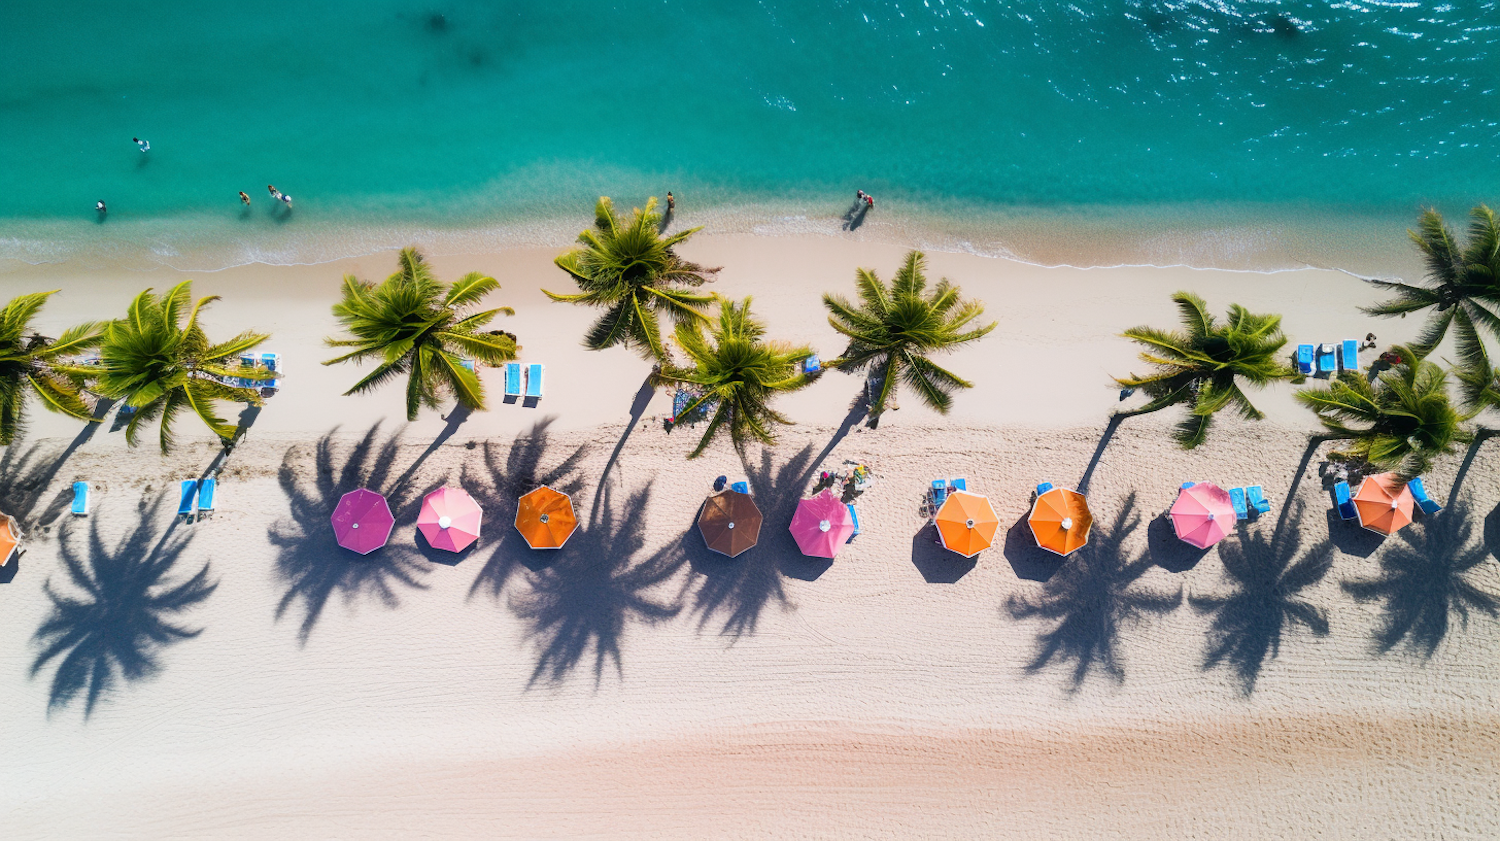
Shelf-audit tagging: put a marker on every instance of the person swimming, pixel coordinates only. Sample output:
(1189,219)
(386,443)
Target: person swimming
(275,193)
(244,199)
(144,144)
(99,206)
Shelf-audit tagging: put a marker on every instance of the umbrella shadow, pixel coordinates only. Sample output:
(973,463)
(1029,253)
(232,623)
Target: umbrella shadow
(498,487)
(1350,538)
(1169,551)
(1030,561)
(733,592)
(1268,573)
(937,564)
(120,613)
(1085,605)
(309,560)
(580,606)
(1426,581)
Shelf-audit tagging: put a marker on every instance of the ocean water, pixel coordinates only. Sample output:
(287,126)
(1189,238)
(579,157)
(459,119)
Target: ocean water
(1005,121)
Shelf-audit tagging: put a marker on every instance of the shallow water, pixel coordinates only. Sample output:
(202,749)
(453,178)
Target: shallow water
(386,119)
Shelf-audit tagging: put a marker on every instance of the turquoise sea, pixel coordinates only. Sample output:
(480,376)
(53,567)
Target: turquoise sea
(391,117)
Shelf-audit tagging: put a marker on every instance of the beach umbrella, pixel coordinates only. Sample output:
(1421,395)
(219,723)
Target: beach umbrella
(449,519)
(1202,514)
(1384,503)
(966,523)
(10,538)
(730,523)
(545,518)
(821,525)
(362,521)
(1060,521)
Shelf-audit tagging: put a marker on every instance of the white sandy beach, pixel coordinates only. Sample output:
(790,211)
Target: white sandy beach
(637,686)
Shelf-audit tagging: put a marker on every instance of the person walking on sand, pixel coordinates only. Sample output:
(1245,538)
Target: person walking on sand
(244,199)
(144,144)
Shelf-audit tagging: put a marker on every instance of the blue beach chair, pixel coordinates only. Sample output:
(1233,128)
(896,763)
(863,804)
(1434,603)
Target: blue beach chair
(853,515)
(534,381)
(189,493)
(1420,494)
(1346,504)
(958,485)
(1350,358)
(470,364)
(1305,359)
(1186,485)
(1237,499)
(512,379)
(1043,488)
(1328,361)
(740,486)
(80,499)
(939,493)
(812,365)
(206,497)
(1257,499)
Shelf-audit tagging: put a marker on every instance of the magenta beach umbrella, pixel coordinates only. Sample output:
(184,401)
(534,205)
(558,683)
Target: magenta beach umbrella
(1202,514)
(822,525)
(449,519)
(362,521)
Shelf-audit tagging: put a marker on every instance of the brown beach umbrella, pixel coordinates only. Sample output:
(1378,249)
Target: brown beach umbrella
(730,523)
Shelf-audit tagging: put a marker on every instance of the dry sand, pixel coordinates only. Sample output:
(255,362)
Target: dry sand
(636,686)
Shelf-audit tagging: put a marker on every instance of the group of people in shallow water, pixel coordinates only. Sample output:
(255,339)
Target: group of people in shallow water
(145,146)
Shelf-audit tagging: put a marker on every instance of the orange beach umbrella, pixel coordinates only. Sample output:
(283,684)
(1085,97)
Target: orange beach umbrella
(966,523)
(1060,521)
(1384,503)
(10,538)
(545,518)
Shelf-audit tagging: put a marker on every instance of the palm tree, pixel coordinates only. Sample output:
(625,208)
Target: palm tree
(1402,420)
(1462,287)
(894,329)
(29,361)
(160,366)
(1201,366)
(633,272)
(738,375)
(415,325)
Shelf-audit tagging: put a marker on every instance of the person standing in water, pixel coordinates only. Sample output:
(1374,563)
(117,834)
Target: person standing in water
(244,199)
(275,193)
(671,202)
(144,144)
(286,198)
(100,208)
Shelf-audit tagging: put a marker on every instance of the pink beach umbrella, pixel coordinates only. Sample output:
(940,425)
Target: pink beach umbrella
(1202,514)
(449,519)
(822,525)
(362,521)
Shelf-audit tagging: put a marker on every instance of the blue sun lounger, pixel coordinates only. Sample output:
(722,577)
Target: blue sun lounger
(1346,504)
(1420,494)
(189,493)
(853,515)
(206,497)
(958,485)
(1328,360)
(939,493)
(1043,488)
(1305,359)
(1257,499)
(272,361)
(512,379)
(1350,355)
(534,381)
(1237,499)
(80,499)
(812,365)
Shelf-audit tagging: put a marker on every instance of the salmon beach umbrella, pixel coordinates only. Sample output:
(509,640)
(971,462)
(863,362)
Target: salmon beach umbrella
(966,523)
(1060,521)
(1384,503)
(449,519)
(821,525)
(362,521)
(545,518)
(1202,514)
(10,538)
(730,523)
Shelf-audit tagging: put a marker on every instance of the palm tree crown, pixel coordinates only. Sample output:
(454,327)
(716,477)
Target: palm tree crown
(1462,287)
(413,324)
(738,374)
(633,272)
(894,328)
(29,362)
(1400,421)
(1203,364)
(160,366)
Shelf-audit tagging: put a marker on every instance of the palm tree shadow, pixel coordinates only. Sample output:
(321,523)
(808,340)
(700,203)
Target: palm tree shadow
(123,617)
(732,592)
(1425,582)
(584,601)
(309,560)
(1268,573)
(25,475)
(497,487)
(1089,599)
